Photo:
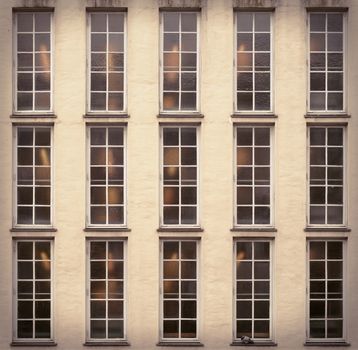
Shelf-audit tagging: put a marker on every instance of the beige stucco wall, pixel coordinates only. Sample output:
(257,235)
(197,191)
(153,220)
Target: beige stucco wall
(216,169)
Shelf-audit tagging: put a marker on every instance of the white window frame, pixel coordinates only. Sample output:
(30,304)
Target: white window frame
(15,298)
(179,225)
(89,51)
(161,65)
(271,165)
(272,52)
(15,177)
(345,199)
(345,78)
(344,289)
(15,66)
(88,177)
(88,290)
(161,291)
(271,290)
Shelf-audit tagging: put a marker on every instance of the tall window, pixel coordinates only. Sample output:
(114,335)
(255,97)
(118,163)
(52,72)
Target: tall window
(326,62)
(253,176)
(179,61)
(253,61)
(33,176)
(179,176)
(253,313)
(326,176)
(33,62)
(106,176)
(179,290)
(33,290)
(326,289)
(107,62)
(106,290)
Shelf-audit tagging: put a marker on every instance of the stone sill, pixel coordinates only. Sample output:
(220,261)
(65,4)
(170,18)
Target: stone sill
(180,344)
(106,115)
(107,343)
(184,115)
(180,229)
(253,115)
(326,344)
(253,229)
(263,343)
(327,229)
(33,343)
(33,229)
(107,229)
(327,115)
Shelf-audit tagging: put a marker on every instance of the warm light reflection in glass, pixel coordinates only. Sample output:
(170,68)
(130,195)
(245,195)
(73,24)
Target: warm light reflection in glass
(171,156)
(44,58)
(244,156)
(171,195)
(44,156)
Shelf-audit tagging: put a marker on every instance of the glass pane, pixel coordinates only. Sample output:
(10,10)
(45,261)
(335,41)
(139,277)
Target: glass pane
(243,328)
(171,42)
(188,101)
(170,309)
(42,251)
(24,215)
(317,329)
(25,310)
(188,42)
(317,101)
(262,22)
(244,215)
(98,101)
(335,81)
(335,61)
(317,289)
(115,269)
(42,215)
(42,22)
(262,329)
(98,250)
(318,136)
(262,290)
(24,82)
(334,22)
(171,195)
(115,250)
(244,101)
(115,62)
(42,42)
(171,289)
(244,290)
(24,22)
(335,269)
(244,250)
(244,136)
(99,42)
(262,195)
(115,289)
(98,269)
(317,270)
(42,196)
(188,81)
(244,21)
(317,309)
(24,195)
(170,329)
(42,329)
(115,309)
(42,309)
(262,42)
(115,329)
(318,42)
(334,308)
(262,309)
(262,270)
(244,156)
(115,82)
(262,101)
(98,329)
(171,81)
(115,42)
(244,42)
(262,61)
(170,101)
(98,290)
(243,270)
(98,22)
(317,22)
(171,61)
(188,329)
(188,250)
(171,250)
(334,250)
(335,101)
(243,309)
(244,195)
(334,42)
(24,250)
(188,269)
(244,61)
(261,250)
(171,269)
(262,156)
(116,22)
(244,81)
(25,290)
(188,289)
(116,215)
(317,195)
(24,42)
(171,22)
(171,215)
(188,215)
(317,250)
(43,270)
(262,81)
(188,22)
(334,329)
(25,62)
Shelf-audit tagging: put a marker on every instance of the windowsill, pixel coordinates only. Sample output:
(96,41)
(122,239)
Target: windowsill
(254,115)
(107,343)
(327,115)
(189,115)
(178,343)
(33,115)
(327,229)
(180,229)
(107,229)
(253,229)
(33,343)
(321,343)
(262,343)
(33,229)
(123,115)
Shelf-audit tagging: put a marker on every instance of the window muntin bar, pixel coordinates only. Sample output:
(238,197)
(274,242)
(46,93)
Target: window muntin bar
(179,290)
(253,285)
(326,62)
(326,290)
(326,176)
(107,62)
(179,176)
(253,76)
(179,61)
(33,183)
(253,174)
(33,290)
(106,290)
(107,176)
(33,62)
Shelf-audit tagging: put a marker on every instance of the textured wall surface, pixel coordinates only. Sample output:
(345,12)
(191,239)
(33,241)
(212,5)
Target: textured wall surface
(216,170)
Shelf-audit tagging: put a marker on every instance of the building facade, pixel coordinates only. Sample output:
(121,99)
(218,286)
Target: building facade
(178,173)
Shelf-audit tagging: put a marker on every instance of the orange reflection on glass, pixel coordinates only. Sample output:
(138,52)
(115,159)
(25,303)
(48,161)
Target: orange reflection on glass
(44,58)
(244,156)
(115,195)
(171,156)
(171,195)
(244,61)
(44,156)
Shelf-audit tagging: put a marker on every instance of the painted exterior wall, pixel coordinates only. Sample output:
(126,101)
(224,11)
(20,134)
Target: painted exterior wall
(216,169)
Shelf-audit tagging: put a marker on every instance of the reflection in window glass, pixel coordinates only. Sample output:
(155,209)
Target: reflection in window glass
(106,176)
(253,61)
(33,288)
(179,289)
(325,271)
(253,290)
(179,176)
(107,62)
(326,62)
(253,176)
(326,175)
(33,62)
(179,61)
(33,180)
(106,290)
